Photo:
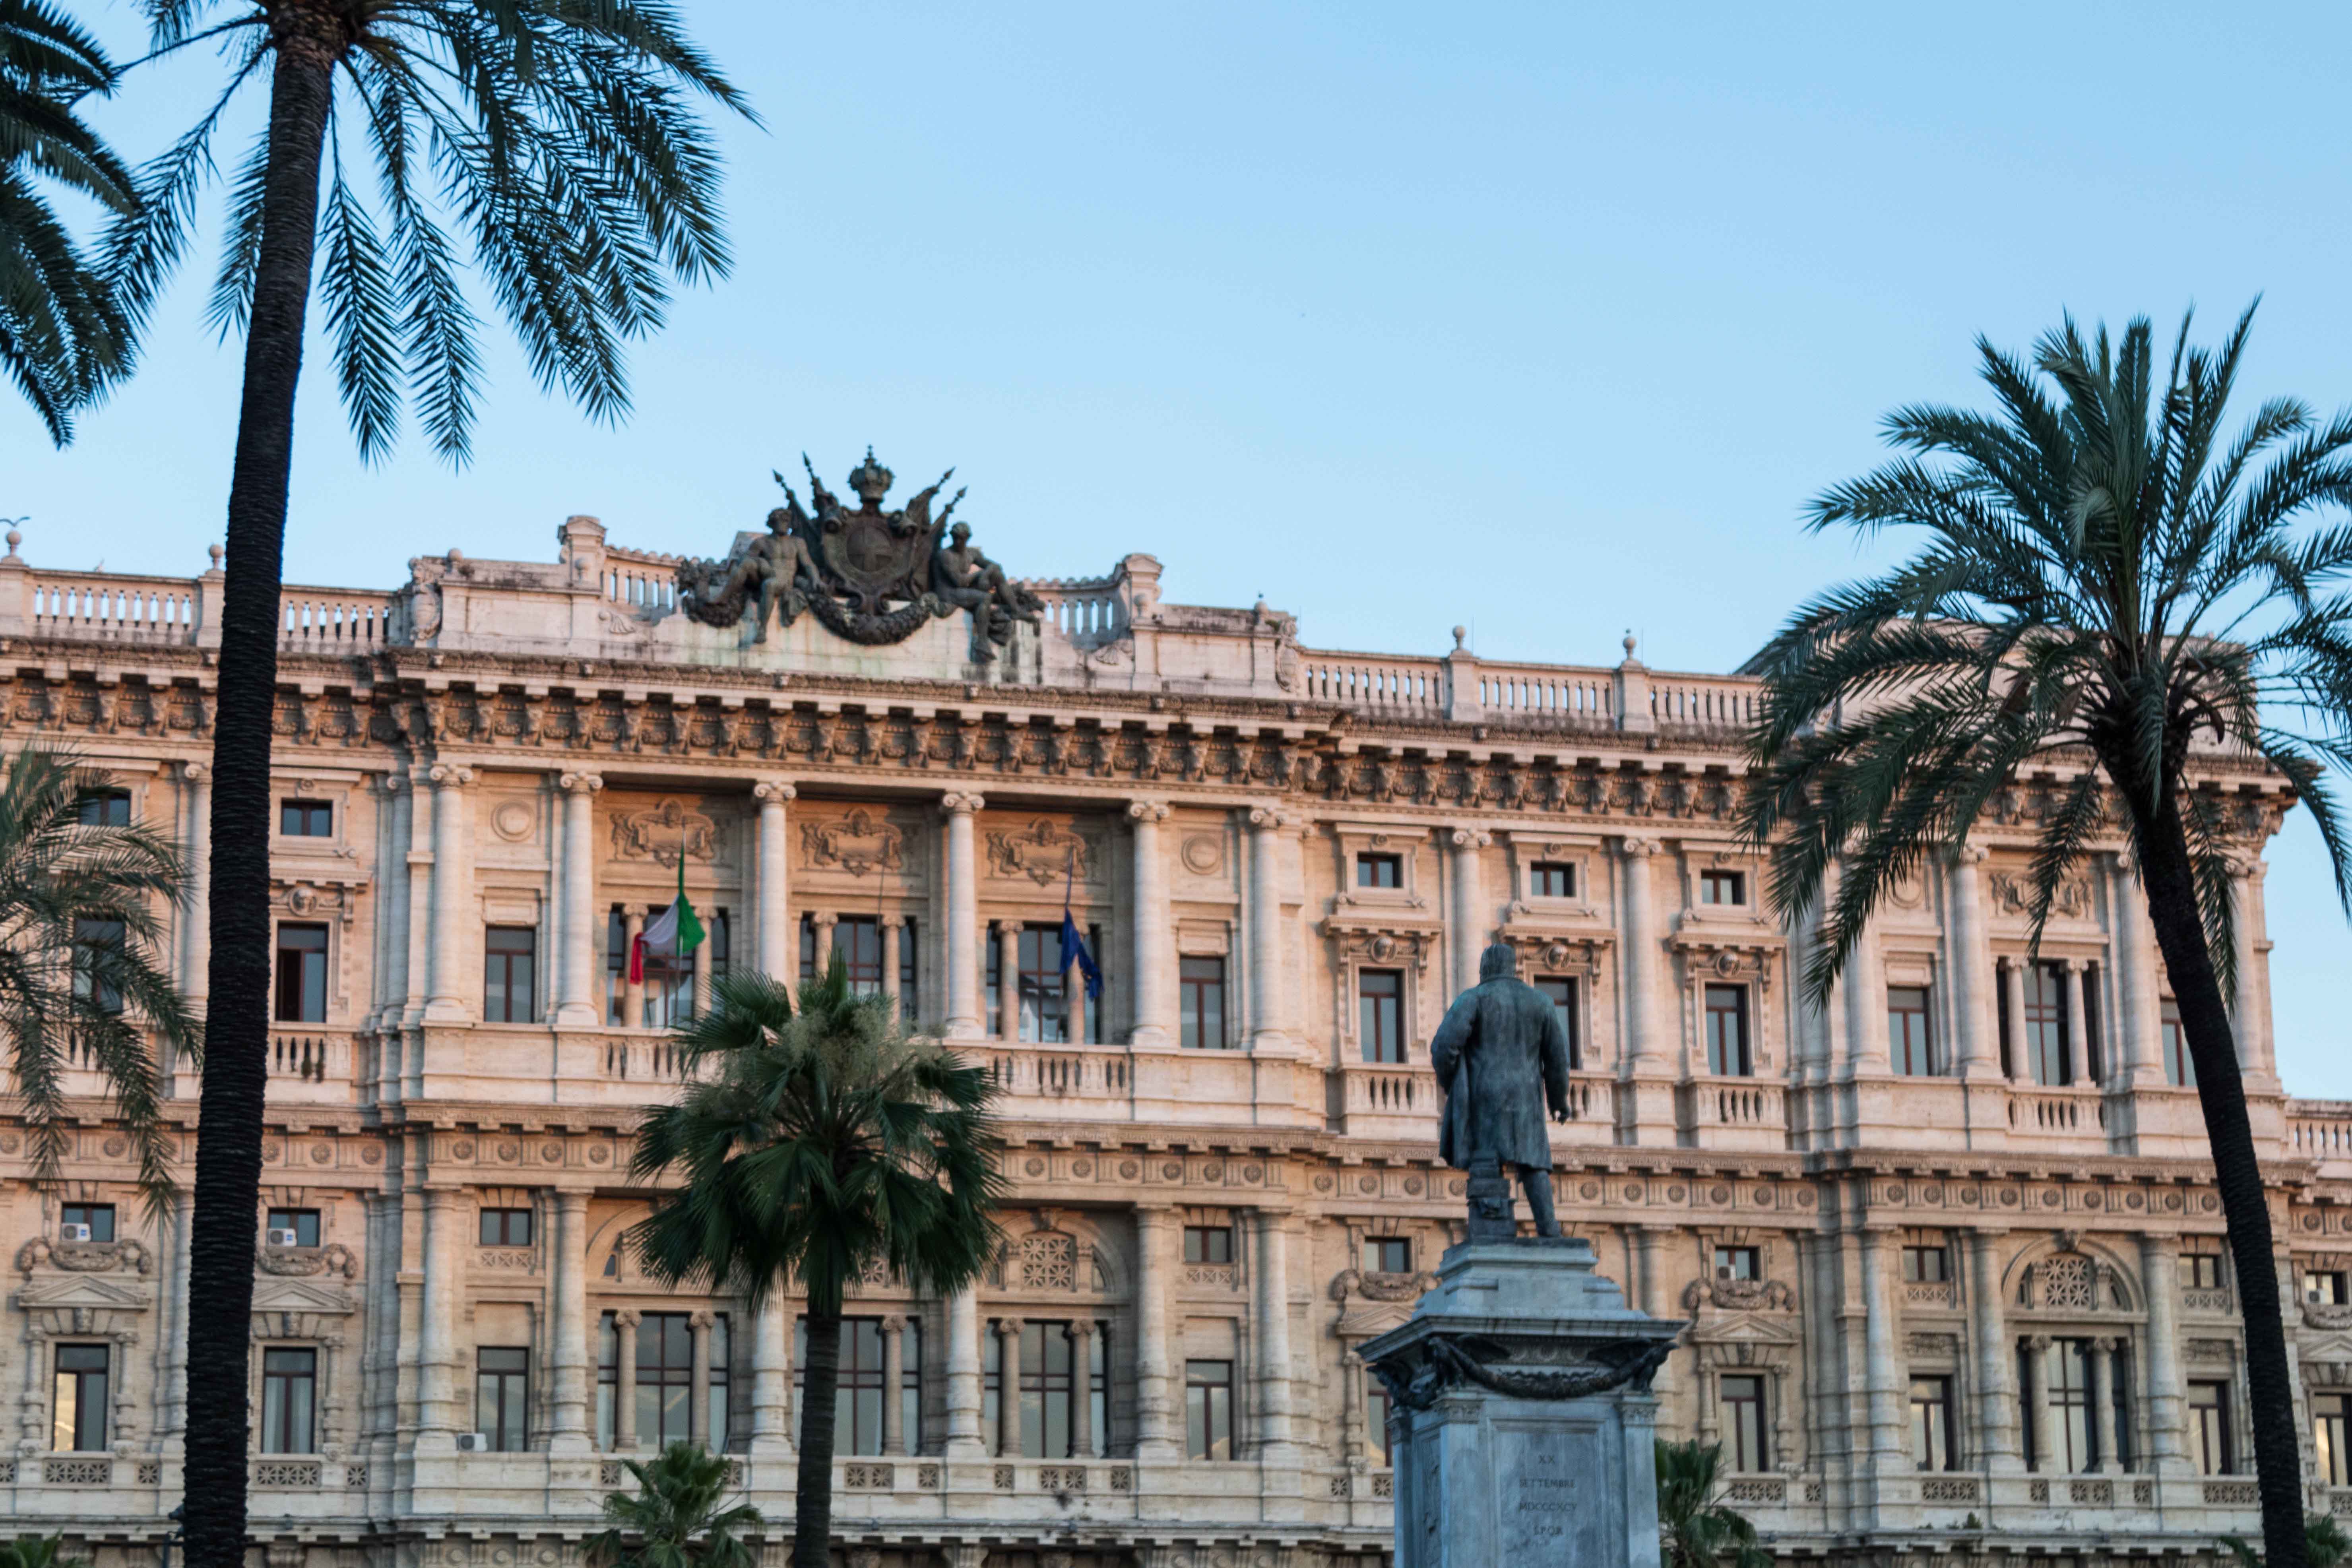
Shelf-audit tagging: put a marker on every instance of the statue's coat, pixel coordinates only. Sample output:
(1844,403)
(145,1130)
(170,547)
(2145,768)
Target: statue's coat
(1501,1056)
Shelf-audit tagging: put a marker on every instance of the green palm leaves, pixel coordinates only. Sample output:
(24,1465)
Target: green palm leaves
(62,334)
(675,1521)
(1694,1529)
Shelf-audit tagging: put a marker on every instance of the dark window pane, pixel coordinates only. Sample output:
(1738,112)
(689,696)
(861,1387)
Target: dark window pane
(1201,983)
(1379,871)
(510,975)
(301,974)
(1380,1013)
(306,819)
(1906,1031)
(1551,880)
(105,808)
(98,1217)
(1727,1031)
(1388,1255)
(301,1226)
(1560,992)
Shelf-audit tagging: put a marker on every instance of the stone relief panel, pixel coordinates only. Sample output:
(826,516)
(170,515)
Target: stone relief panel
(665,831)
(856,842)
(1045,852)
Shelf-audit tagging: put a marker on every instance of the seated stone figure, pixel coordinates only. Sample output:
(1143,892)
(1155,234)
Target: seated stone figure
(778,569)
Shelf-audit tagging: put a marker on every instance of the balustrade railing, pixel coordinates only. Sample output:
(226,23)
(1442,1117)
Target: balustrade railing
(2070,1111)
(2319,1129)
(1746,1102)
(101,606)
(1375,684)
(1083,610)
(1546,691)
(1700,702)
(334,620)
(642,579)
(1047,1073)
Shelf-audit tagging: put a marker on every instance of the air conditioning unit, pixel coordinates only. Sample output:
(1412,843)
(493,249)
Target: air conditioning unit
(73,1233)
(473,1442)
(285,1239)
(2312,1297)
(1723,1271)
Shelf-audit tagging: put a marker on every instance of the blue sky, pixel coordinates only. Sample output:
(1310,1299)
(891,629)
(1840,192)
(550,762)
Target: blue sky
(1545,319)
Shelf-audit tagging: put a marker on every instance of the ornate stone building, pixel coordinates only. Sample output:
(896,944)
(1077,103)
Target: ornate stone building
(1951,1263)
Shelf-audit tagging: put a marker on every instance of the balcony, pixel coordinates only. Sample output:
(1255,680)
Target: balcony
(1728,1112)
(2070,1113)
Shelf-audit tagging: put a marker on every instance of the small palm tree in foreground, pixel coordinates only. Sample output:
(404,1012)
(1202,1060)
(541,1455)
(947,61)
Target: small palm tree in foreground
(811,1145)
(2325,1545)
(1695,1530)
(674,1520)
(81,975)
(2105,582)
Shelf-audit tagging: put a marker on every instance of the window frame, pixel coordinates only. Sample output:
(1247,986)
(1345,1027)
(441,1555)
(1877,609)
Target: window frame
(1372,865)
(1743,1398)
(500,982)
(1564,995)
(1373,1042)
(1911,1032)
(104,805)
(280,1432)
(1541,873)
(1932,1425)
(1736,1258)
(1209,1410)
(1220,1236)
(89,936)
(299,1220)
(1201,1002)
(2172,1041)
(304,810)
(292,997)
(497,1223)
(1720,1061)
(98,1216)
(88,1410)
(1377,1253)
(510,1391)
(1715,880)
(2210,1426)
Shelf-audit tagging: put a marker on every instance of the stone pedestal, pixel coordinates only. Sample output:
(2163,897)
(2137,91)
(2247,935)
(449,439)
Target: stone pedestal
(1521,1416)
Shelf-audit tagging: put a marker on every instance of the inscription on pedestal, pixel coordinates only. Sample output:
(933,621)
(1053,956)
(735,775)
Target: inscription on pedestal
(1545,1497)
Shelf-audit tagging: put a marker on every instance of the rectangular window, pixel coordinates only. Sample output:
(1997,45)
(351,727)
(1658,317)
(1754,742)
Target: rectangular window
(506,1228)
(1379,871)
(1387,1255)
(1037,1421)
(1744,1427)
(502,1397)
(1045,1010)
(1551,880)
(617,966)
(858,1397)
(1912,1047)
(1737,1263)
(1380,1013)
(306,819)
(1560,992)
(608,1380)
(292,1228)
(665,1402)
(2045,1022)
(78,1410)
(2200,1270)
(2094,1061)
(97,956)
(289,1388)
(910,996)
(1931,1424)
(1209,1409)
(1723,886)
(104,808)
(670,984)
(1208,1244)
(2324,1288)
(1926,1264)
(2179,1070)
(1376,1419)
(1201,1002)
(301,974)
(2071,1420)
(1726,1032)
(98,1217)
(2331,1437)
(510,975)
(2209,1429)
(857,942)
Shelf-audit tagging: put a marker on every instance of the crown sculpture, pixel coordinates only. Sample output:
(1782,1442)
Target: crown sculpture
(870,575)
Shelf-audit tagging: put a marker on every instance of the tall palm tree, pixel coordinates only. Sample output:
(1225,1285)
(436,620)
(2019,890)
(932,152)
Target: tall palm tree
(1695,1530)
(81,973)
(62,333)
(563,137)
(2104,586)
(674,1520)
(813,1145)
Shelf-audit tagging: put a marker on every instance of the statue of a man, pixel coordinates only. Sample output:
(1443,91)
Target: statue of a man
(777,566)
(961,565)
(1501,1057)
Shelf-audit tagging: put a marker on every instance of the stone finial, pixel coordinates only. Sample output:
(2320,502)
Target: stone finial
(217,555)
(1459,633)
(1630,642)
(15,539)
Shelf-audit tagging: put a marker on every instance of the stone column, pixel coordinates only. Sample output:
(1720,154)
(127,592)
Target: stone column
(174,1423)
(2159,1271)
(822,923)
(1970,967)
(1082,1389)
(195,929)
(1008,978)
(569,1341)
(2021,1054)
(1646,1246)
(963,916)
(632,992)
(2037,1404)
(893,1378)
(453,898)
(773,922)
(1646,1032)
(418,905)
(1273,1326)
(1470,916)
(2105,1352)
(697,1397)
(1265,929)
(1866,1008)
(2078,1038)
(772,1378)
(1157,1435)
(437,1413)
(1353,1446)
(1155,936)
(625,1383)
(702,976)
(392,919)
(1008,1386)
(1996,1356)
(2139,1051)
(964,1377)
(582,1004)
(893,936)
(2249,1023)
(1883,1370)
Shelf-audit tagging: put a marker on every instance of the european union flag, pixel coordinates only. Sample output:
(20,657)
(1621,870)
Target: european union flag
(1072,944)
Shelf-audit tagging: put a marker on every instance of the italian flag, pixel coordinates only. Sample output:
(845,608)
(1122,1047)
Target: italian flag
(672,933)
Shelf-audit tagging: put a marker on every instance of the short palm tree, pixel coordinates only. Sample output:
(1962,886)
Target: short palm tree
(82,978)
(62,333)
(813,1145)
(2106,586)
(2325,1545)
(1695,1530)
(560,143)
(674,1520)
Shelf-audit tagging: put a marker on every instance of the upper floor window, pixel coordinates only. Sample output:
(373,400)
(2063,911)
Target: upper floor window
(2045,1024)
(104,808)
(1728,1052)
(664,1402)
(2331,1437)
(98,957)
(1379,870)
(86,1221)
(1560,991)
(2210,1435)
(863,1388)
(78,1403)
(857,942)
(506,1228)
(501,1397)
(1209,1409)
(1201,1002)
(1931,1424)
(1208,1244)
(1388,1255)
(1910,1046)
(1723,886)
(289,1390)
(1745,1430)
(1037,1418)
(2179,1070)
(2323,1286)
(301,974)
(1551,880)
(2200,1270)
(1737,1263)
(306,819)
(292,1228)
(510,975)
(1380,1013)
(1926,1264)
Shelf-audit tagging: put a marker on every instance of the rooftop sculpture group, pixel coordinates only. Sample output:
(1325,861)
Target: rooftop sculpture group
(869,575)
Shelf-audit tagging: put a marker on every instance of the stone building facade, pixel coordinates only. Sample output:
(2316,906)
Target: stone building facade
(1952,1266)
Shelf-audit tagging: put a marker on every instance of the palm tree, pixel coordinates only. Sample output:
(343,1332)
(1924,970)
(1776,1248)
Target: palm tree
(563,137)
(2325,1545)
(814,1145)
(2105,587)
(62,333)
(1694,1529)
(82,979)
(675,1520)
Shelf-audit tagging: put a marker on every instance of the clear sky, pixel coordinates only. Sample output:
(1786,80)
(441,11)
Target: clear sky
(1544,319)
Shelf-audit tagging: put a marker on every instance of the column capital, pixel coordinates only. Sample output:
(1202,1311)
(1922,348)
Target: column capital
(1084,1328)
(450,775)
(579,783)
(894,922)
(1639,845)
(1010,1328)
(827,918)
(2106,1342)
(2037,1341)
(701,1320)
(961,802)
(2075,965)
(570,1200)
(894,1322)
(1969,855)
(1471,838)
(1265,818)
(201,773)
(1146,810)
(626,1318)
(775,790)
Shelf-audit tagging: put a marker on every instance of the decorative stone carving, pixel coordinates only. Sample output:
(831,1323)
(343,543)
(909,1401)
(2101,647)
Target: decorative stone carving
(1043,852)
(1377,1287)
(332,1258)
(2013,894)
(1045,1262)
(1740,1296)
(857,843)
(661,834)
(126,1256)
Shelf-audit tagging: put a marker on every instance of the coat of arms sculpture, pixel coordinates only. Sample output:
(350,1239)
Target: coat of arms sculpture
(870,575)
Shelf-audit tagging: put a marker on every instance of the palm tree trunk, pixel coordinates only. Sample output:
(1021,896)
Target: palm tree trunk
(2237,1172)
(236,1028)
(812,1498)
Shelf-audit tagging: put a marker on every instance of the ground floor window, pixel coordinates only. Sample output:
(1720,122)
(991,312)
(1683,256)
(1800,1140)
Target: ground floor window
(2331,1437)
(863,1384)
(289,1398)
(502,1397)
(1931,1424)
(2209,1429)
(1209,1409)
(78,1412)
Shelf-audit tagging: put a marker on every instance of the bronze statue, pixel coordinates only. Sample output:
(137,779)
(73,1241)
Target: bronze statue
(1501,1057)
(779,568)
